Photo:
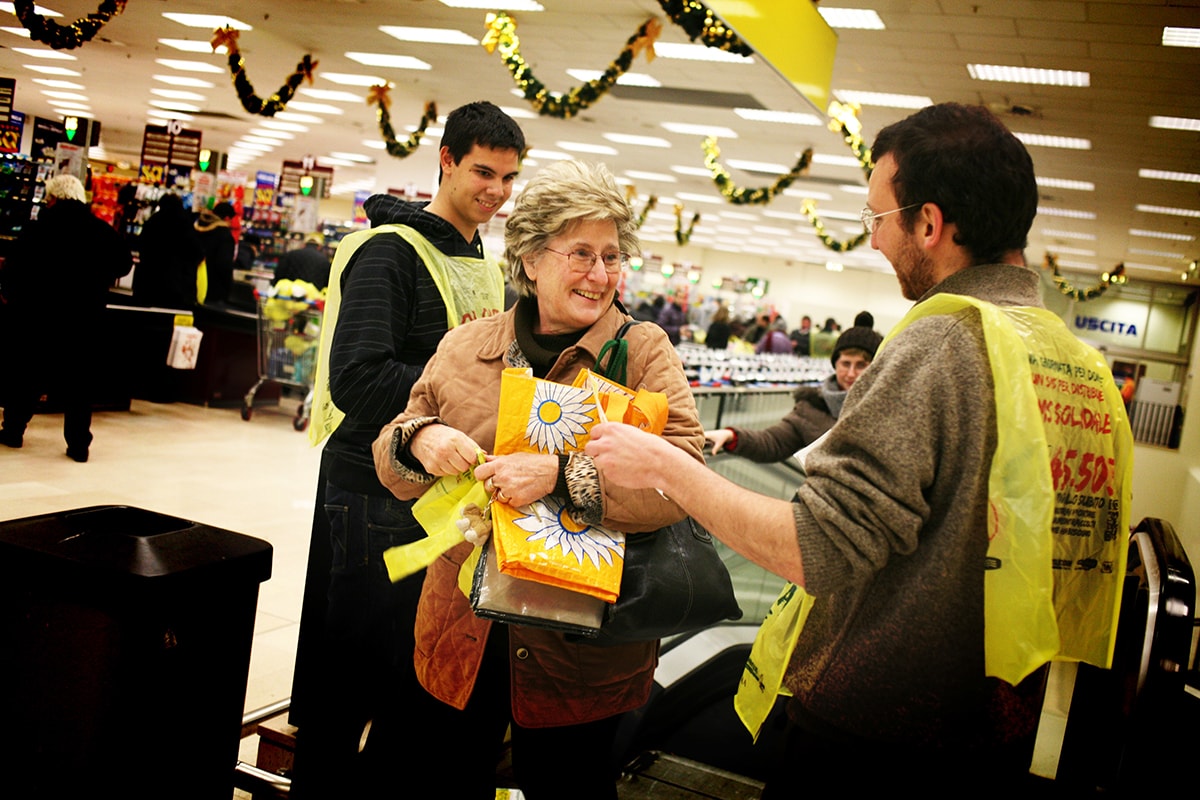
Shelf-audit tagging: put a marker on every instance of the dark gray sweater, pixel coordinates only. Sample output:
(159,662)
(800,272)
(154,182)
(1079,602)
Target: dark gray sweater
(892,526)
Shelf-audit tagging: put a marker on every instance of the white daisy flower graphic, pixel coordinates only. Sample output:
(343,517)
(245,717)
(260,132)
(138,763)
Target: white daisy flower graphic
(557,416)
(549,522)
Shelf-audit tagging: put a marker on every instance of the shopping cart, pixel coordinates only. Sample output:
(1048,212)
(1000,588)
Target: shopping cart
(289,334)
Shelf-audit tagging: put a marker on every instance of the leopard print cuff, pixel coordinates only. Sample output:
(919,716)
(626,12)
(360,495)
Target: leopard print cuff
(583,489)
(403,463)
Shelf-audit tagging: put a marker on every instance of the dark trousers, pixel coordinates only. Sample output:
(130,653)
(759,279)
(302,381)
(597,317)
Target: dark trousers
(67,380)
(360,669)
(459,750)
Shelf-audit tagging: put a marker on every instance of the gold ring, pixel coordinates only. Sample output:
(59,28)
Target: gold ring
(501,496)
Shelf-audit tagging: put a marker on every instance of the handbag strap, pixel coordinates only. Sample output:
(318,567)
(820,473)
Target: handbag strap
(616,350)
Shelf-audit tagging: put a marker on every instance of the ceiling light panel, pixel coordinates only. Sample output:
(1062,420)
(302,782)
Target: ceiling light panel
(208,21)
(1044,77)
(626,79)
(1181,37)
(184,80)
(698,52)
(509,5)
(46,69)
(1175,123)
(1069,213)
(783,117)
(639,141)
(52,55)
(335,95)
(1061,142)
(189,66)
(178,94)
(852,18)
(1174,212)
(1174,237)
(192,46)
(883,99)
(391,60)
(586,147)
(689,129)
(57,84)
(1164,175)
(1063,183)
(429,35)
(351,79)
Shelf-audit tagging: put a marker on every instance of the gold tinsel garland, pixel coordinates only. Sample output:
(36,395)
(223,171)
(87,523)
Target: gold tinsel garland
(1114,278)
(739,196)
(699,22)
(502,35)
(809,208)
(65,37)
(378,97)
(245,91)
(682,237)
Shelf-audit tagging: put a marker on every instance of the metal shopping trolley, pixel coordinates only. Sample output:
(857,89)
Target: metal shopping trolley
(289,335)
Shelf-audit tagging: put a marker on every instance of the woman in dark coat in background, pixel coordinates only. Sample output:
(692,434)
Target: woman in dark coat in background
(56,282)
(169,254)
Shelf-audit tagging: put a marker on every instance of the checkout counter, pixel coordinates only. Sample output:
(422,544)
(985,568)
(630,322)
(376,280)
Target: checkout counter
(136,341)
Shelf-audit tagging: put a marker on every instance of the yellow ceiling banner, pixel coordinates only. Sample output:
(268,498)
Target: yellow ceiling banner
(792,36)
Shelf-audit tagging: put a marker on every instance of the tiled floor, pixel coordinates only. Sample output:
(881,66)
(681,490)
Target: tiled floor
(255,477)
(201,464)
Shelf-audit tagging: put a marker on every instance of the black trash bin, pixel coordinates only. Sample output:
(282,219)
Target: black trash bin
(124,653)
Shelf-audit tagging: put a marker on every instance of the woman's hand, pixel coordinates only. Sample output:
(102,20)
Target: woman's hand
(719,439)
(443,450)
(519,478)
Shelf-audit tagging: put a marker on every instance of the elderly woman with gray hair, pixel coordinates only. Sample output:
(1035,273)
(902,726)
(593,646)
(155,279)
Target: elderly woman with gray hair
(566,242)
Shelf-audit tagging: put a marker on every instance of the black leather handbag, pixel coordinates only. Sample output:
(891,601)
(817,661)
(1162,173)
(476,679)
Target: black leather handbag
(674,580)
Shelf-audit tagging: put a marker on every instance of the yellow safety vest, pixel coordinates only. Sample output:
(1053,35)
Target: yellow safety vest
(1059,495)
(470,288)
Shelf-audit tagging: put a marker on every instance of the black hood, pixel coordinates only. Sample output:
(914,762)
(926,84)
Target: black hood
(386,209)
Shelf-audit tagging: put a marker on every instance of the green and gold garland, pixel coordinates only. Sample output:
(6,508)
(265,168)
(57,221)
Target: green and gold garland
(809,208)
(843,119)
(682,237)
(379,97)
(699,22)
(739,196)
(1114,278)
(237,69)
(651,202)
(502,35)
(65,37)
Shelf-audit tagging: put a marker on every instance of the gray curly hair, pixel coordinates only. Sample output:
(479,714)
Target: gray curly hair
(556,198)
(66,187)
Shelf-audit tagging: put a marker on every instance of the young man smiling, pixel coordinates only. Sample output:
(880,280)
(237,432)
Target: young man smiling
(394,292)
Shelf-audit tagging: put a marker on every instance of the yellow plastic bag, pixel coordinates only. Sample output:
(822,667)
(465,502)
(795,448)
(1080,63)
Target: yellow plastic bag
(438,511)
(542,541)
(762,678)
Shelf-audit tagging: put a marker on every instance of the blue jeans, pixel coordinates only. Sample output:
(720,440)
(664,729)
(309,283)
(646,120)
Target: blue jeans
(367,660)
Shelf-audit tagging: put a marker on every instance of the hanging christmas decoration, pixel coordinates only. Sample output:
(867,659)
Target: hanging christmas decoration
(739,196)
(380,98)
(682,237)
(699,22)
(809,209)
(65,37)
(502,35)
(1114,278)
(237,69)
(843,119)
(630,196)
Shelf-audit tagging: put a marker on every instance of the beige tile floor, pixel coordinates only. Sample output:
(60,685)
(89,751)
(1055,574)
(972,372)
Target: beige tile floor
(207,465)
